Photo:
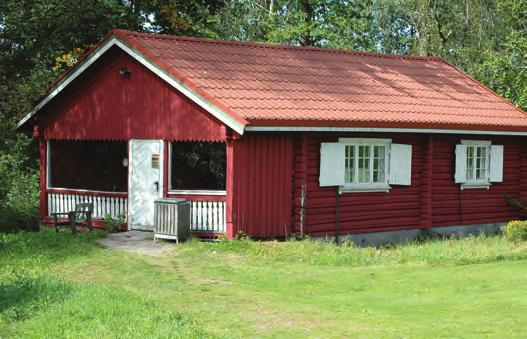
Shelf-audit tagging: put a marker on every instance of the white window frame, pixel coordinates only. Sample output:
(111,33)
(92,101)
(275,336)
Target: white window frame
(481,183)
(187,192)
(369,187)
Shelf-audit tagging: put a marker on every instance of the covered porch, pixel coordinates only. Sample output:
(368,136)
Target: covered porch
(124,178)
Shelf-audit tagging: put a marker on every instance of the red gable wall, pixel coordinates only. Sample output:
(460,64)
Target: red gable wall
(106,106)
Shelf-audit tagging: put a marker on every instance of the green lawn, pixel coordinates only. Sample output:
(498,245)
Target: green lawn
(63,286)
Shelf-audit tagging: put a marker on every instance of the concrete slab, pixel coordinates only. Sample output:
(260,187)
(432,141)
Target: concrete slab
(136,242)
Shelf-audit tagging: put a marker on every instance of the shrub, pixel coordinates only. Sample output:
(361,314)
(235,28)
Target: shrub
(114,224)
(519,203)
(19,210)
(18,180)
(516,231)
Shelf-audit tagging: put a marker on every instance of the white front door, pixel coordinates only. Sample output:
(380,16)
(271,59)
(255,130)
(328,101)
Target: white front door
(145,182)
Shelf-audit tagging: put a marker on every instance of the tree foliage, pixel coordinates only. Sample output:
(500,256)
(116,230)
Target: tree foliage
(41,38)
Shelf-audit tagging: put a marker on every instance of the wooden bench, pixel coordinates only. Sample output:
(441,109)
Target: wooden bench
(80,216)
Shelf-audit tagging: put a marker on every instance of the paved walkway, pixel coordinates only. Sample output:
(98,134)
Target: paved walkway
(135,241)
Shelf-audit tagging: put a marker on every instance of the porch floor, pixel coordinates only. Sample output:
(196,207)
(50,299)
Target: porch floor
(135,241)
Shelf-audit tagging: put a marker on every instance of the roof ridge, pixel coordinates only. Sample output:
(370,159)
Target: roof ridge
(279,46)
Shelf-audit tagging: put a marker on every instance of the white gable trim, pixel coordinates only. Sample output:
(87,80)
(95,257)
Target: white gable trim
(373,129)
(170,79)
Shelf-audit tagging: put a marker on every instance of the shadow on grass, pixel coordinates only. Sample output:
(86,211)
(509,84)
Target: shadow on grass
(35,305)
(25,287)
(25,292)
(45,246)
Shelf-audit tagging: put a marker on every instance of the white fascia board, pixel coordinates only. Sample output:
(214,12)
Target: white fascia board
(177,84)
(63,83)
(376,130)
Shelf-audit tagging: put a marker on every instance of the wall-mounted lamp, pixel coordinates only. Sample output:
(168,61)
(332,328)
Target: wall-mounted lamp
(124,72)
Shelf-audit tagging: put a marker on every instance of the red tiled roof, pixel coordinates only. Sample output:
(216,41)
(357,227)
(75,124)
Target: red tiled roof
(273,85)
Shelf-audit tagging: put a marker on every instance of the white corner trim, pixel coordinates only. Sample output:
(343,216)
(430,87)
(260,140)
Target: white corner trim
(160,180)
(375,129)
(178,85)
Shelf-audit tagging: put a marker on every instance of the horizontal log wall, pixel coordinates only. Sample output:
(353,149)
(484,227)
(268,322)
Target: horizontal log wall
(453,206)
(433,199)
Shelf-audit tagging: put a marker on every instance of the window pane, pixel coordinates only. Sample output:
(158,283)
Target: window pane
(350,163)
(481,167)
(470,163)
(378,163)
(198,166)
(364,164)
(375,170)
(88,165)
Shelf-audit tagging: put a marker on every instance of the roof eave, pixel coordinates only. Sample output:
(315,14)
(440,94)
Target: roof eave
(342,129)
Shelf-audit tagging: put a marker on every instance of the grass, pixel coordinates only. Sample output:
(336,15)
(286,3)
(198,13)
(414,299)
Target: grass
(63,286)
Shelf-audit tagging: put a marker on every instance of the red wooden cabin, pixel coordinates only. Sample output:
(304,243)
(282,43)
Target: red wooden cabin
(269,139)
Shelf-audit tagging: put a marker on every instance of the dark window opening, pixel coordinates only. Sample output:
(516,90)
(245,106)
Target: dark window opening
(89,165)
(198,166)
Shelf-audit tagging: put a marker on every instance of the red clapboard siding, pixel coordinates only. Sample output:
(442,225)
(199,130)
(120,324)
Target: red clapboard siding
(103,105)
(263,165)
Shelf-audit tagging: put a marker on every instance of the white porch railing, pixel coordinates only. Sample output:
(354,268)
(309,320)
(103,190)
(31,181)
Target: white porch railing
(207,216)
(102,205)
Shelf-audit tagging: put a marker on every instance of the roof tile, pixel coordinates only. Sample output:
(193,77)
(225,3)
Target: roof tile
(291,85)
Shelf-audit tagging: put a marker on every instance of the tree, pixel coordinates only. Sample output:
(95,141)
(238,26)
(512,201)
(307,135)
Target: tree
(39,39)
(333,23)
(505,68)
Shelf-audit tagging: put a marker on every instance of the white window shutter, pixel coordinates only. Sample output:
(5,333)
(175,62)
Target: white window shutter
(401,164)
(461,164)
(332,164)
(496,163)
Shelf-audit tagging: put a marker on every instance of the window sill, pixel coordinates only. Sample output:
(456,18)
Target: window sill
(197,192)
(366,189)
(79,191)
(484,185)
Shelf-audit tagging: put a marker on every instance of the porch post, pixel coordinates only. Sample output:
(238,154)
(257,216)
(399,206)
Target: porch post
(229,199)
(166,159)
(43,152)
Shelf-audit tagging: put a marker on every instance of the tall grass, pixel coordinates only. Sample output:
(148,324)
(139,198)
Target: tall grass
(455,251)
